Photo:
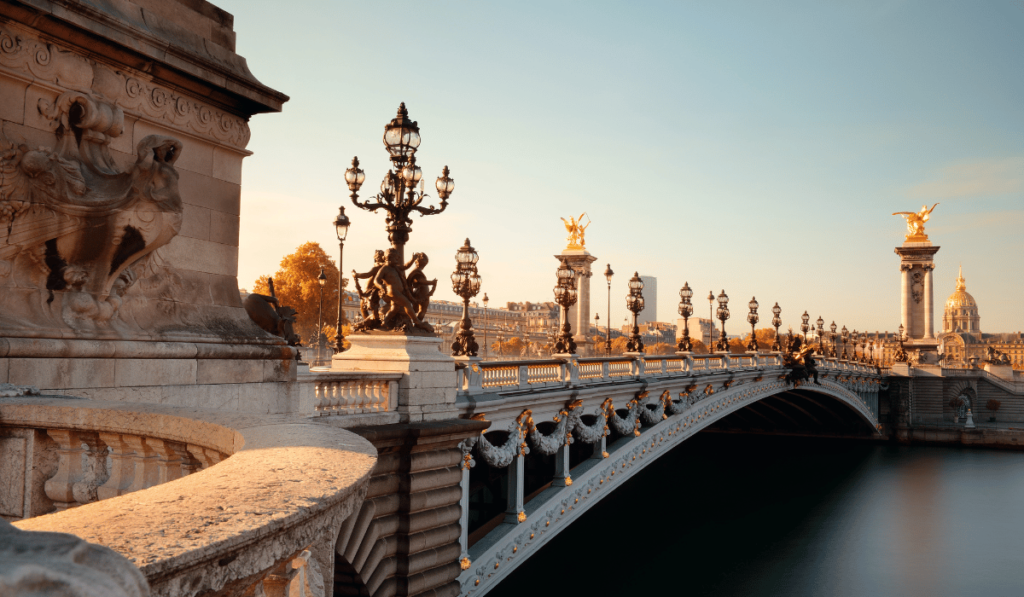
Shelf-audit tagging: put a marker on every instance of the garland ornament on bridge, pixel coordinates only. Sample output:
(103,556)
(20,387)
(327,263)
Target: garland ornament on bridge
(635,304)
(723,315)
(752,319)
(686,310)
(465,284)
(776,321)
(565,296)
(406,296)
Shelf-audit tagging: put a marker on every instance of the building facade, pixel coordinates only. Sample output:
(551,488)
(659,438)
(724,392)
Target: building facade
(650,312)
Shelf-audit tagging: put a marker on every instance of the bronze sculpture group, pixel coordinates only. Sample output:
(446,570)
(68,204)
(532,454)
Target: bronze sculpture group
(799,359)
(394,300)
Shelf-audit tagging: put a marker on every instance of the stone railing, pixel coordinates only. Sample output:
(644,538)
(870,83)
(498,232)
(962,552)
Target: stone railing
(512,376)
(201,501)
(353,392)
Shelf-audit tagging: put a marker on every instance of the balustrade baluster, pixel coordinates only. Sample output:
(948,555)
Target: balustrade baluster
(514,512)
(122,467)
(146,472)
(59,487)
(169,462)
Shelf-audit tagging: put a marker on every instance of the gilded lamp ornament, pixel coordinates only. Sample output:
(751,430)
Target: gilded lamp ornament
(685,310)
(635,304)
(832,337)
(396,299)
(565,296)
(465,284)
(576,230)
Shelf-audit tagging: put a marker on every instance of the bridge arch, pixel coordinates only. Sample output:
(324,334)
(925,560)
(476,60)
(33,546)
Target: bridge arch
(662,415)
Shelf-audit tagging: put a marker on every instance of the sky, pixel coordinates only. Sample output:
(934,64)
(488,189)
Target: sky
(756,148)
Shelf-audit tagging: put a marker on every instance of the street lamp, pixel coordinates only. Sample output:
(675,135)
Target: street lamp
(486,347)
(854,336)
(804,326)
(845,335)
(608,273)
(752,319)
(597,327)
(832,328)
(565,296)
(686,310)
(901,355)
(320,339)
(341,224)
(465,284)
(821,332)
(871,352)
(635,304)
(723,314)
(776,321)
(863,346)
(711,318)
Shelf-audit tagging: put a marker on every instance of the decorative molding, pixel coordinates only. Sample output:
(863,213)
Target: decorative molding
(39,61)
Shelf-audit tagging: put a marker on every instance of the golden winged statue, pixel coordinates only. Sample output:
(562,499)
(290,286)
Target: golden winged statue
(915,222)
(576,230)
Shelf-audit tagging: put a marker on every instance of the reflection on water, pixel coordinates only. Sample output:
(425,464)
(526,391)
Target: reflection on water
(744,515)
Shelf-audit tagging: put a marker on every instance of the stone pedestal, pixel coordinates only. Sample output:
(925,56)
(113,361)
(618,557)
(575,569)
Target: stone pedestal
(917,313)
(426,391)
(579,314)
(1000,371)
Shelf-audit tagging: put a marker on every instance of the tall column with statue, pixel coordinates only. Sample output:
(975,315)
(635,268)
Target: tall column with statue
(916,299)
(579,259)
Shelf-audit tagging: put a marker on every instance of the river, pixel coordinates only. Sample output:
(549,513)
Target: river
(753,515)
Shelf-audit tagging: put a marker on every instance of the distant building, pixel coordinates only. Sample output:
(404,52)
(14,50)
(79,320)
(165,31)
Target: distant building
(700,329)
(650,312)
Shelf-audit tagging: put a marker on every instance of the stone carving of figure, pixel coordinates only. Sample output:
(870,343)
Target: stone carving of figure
(916,220)
(401,315)
(420,289)
(370,299)
(800,362)
(268,313)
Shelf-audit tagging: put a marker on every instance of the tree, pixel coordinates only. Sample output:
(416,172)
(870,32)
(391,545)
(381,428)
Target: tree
(698,347)
(661,348)
(296,285)
(737,345)
(619,344)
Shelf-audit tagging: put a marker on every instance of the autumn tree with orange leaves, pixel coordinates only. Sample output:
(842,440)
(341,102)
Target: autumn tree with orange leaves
(296,285)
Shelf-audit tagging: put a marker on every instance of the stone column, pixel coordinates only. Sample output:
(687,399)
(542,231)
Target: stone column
(905,298)
(929,317)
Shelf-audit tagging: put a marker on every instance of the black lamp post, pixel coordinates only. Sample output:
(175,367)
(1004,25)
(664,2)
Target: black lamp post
(901,354)
(686,310)
(776,321)
(821,334)
(635,304)
(845,335)
(855,337)
(723,314)
(565,296)
(752,319)
(832,337)
(465,284)
(341,224)
(711,318)
(320,339)
(487,348)
(804,326)
(608,273)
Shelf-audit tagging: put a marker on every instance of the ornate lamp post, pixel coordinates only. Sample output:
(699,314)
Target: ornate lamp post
(832,337)
(320,339)
(901,355)
(635,304)
(821,334)
(565,296)
(465,284)
(341,224)
(845,335)
(723,315)
(608,273)
(597,327)
(871,352)
(776,322)
(711,318)
(863,346)
(804,326)
(854,336)
(486,346)
(752,319)
(686,310)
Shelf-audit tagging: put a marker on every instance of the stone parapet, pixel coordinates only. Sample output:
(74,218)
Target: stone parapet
(249,488)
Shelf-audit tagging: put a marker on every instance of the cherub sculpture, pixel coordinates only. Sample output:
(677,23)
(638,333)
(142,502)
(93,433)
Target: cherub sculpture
(390,282)
(420,289)
(369,300)
(916,220)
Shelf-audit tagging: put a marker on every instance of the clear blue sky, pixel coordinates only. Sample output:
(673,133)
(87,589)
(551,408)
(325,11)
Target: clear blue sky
(754,147)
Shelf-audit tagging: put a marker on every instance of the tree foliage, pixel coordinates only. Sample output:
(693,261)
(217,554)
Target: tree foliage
(513,347)
(661,348)
(296,285)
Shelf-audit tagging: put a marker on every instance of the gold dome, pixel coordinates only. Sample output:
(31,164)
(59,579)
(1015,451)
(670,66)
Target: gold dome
(961,298)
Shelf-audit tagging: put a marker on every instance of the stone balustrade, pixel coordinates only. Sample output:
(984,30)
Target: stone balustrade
(201,501)
(353,392)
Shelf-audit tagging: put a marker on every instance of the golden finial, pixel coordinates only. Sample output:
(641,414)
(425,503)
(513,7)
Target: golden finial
(961,284)
(576,229)
(915,223)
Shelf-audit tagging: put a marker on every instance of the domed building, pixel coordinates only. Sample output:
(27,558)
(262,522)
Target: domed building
(961,314)
(962,340)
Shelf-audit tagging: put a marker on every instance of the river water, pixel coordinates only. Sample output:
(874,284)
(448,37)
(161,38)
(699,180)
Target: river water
(752,515)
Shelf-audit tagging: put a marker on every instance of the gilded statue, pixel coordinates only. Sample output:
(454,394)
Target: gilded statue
(576,230)
(915,222)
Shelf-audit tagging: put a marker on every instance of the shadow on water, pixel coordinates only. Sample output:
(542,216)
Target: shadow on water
(755,515)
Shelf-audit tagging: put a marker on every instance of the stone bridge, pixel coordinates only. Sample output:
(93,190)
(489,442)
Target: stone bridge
(565,433)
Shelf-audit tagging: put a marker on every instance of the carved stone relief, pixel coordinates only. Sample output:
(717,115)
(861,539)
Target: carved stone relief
(917,286)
